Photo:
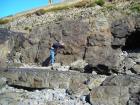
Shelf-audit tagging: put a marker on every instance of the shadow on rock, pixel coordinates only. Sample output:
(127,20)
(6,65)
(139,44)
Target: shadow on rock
(46,62)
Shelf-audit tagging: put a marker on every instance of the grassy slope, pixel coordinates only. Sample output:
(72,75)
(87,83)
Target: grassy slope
(66,5)
(54,7)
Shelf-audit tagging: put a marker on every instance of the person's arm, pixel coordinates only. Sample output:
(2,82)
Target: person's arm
(58,46)
(61,45)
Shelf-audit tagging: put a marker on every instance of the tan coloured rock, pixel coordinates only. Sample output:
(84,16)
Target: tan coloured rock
(109,95)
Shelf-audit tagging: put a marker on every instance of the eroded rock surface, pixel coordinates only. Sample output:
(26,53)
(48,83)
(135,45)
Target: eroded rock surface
(99,65)
(99,40)
(117,90)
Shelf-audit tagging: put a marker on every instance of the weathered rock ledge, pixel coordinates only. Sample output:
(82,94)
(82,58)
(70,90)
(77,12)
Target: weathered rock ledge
(97,89)
(42,78)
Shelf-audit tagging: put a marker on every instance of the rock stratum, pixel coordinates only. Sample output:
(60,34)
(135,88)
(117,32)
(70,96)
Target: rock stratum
(100,64)
(44,86)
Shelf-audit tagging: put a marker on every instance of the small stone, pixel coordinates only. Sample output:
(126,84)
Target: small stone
(136,69)
(63,68)
(55,66)
(94,73)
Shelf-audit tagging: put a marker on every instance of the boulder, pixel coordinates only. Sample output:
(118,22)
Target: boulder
(78,88)
(55,66)
(127,86)
(122,80)
(36,77)
(46,78)
(118,41)
(103,59)
(109,95)
(122,28)
(63,68)
(134,95)
(136,69)
(78,65)
(95,82)
(99,39)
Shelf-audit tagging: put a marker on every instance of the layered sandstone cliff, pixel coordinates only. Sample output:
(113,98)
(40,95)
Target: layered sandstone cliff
(99,64)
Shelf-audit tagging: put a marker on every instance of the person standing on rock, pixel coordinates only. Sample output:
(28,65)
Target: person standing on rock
(54,49)
(50,2)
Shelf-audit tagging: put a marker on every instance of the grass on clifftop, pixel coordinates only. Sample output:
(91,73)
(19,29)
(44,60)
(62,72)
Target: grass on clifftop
(100,2)
(4,21)
(65,5)
(28,28)
(135,7)
(56,7)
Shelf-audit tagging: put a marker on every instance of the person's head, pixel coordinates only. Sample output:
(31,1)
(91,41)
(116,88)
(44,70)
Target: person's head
(61,43)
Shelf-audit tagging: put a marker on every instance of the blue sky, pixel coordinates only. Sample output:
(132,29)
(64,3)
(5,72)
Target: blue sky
(10,7)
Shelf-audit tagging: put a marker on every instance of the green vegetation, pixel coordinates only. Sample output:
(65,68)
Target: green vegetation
(66,5)
(40,12)
(110,7)
(28,28)
(100,2)
(56,7)
(4,21)
(28,15)
(135,7)
(9,16)
(52,9)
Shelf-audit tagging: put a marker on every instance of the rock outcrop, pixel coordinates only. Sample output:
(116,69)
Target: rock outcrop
(117,90)
(99,65)
(24,85)
(46,78)
(61,86)
(89,33)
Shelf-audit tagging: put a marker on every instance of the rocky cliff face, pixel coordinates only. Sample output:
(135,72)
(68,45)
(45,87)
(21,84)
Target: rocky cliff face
(102,40)
(91,34)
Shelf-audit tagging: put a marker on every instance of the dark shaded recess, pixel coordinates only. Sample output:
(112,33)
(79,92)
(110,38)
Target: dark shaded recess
(69,91)
(87,99)
(102,69)
(26,88)
(88,69)
(115,46)
(36,60)
(133,71)
(114,71)
(99,69)
(46,62)
(132,42)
